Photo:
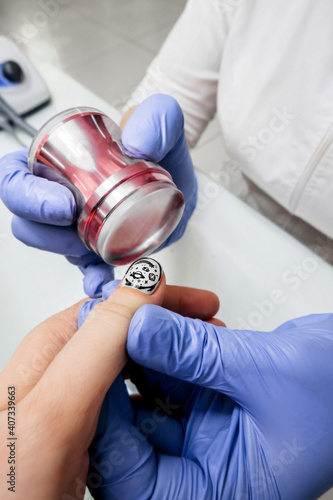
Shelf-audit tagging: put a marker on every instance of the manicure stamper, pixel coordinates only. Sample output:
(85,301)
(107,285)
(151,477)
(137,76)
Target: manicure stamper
(126,207)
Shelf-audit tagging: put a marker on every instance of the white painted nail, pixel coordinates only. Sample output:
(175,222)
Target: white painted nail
(144,275)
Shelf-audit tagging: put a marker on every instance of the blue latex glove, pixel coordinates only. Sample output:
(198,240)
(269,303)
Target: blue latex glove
(155,132)
(120,454)
(45,211)
(249,414)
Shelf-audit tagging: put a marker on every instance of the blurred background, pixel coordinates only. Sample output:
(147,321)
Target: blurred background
(106,45)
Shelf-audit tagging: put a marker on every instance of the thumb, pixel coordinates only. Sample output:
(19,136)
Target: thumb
(185,348)
(155,132)
(78,378)
(89,305)
(31,197)
(199,352)
(96,275)
(258,370)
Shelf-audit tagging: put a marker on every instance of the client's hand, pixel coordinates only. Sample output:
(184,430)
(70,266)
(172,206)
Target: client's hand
(53,387)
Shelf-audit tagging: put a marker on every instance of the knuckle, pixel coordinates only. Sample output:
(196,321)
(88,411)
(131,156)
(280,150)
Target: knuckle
(107,311)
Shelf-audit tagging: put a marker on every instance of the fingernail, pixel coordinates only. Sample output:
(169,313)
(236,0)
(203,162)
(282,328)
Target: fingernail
(144,275)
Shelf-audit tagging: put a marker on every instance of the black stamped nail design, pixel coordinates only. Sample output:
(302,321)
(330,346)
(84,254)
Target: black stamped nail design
(144,275)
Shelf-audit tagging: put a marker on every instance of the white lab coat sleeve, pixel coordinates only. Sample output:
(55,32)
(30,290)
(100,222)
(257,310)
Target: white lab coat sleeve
(188,64)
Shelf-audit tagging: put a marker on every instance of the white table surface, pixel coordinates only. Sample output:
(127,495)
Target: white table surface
(228,248)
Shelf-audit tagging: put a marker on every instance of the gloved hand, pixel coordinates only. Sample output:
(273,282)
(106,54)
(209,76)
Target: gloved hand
(44,211)
(44,214)
(247,414)
(120,455)
(155,132)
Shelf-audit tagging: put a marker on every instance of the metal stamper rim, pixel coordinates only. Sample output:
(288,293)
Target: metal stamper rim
(125,207)
(128,177)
